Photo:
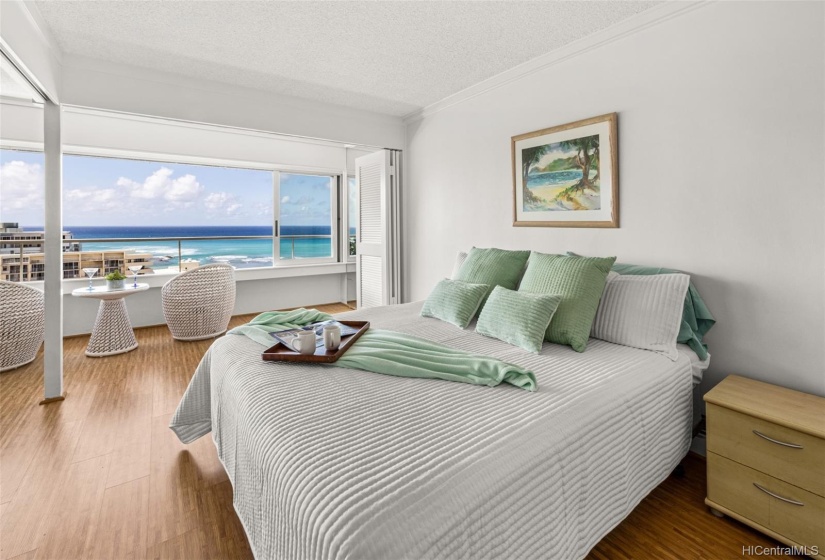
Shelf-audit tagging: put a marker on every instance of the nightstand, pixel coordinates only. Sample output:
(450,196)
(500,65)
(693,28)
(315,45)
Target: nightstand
(766,460)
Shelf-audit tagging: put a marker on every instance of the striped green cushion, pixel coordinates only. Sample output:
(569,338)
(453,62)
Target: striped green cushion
(519,318)
(454,301)
(580,283)
(494,267)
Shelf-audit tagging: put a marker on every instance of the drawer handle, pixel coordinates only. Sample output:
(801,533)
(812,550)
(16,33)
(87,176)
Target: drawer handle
(776,441)
(778,497)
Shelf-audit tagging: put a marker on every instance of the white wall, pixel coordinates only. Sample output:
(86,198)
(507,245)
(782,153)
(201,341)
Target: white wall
(22,123)
(95,83)
(104,132)
(722,174)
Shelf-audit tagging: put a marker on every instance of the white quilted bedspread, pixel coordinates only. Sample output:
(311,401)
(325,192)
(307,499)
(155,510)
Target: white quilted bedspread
(343,464)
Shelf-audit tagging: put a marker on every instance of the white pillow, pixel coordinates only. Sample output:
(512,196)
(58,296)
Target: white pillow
(642,311)
(459,260)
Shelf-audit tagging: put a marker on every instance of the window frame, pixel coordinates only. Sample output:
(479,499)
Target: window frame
(275,169)
(333,226)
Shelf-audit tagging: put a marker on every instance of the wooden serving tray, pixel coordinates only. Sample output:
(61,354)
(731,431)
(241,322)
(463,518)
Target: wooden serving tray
(281,353)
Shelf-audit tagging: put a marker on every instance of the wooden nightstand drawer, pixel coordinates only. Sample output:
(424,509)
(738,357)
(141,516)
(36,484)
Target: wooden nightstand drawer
(731,485)
(786,454)
(804,524)
(794,513)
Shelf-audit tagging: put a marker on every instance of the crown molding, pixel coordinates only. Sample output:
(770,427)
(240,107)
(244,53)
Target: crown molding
(645,20)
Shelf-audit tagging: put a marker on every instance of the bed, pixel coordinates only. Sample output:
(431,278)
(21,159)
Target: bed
(335,463)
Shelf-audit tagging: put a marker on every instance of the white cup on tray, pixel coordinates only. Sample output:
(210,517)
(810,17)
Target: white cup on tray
(305,343)
(332,337)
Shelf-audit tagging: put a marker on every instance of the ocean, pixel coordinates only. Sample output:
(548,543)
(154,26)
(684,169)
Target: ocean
(240,253)
(553,178)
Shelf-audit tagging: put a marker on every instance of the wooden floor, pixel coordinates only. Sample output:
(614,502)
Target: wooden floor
(100,475)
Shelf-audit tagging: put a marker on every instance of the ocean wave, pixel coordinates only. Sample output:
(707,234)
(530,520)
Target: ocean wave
(172,256)
(227,258)
(166,251)
(155,250)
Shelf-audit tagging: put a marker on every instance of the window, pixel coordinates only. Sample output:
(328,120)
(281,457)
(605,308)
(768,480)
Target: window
(111,198)
(22,191)
(128,204)
(306,216)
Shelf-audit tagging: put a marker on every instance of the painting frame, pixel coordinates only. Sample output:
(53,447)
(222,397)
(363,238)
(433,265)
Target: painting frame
(604,217)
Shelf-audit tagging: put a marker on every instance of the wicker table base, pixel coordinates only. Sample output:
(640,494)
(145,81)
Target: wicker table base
(112,333)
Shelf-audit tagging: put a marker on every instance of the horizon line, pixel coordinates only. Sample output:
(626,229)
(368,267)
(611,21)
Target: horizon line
(155,226)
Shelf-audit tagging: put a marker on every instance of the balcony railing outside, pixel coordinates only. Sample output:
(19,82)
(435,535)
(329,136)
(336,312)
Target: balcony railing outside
(291,247)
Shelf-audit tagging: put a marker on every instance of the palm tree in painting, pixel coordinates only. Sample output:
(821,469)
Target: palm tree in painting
(586,158)
(530,157)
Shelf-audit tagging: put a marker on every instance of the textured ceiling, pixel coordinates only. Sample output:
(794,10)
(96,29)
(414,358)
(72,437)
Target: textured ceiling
(388,57)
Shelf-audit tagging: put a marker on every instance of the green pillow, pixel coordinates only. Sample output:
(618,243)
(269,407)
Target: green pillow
(519,318)
(580,283)
(454,301)
(494,267)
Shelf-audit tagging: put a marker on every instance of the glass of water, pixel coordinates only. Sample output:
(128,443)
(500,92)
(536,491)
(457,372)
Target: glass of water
(134,270)
(90,272)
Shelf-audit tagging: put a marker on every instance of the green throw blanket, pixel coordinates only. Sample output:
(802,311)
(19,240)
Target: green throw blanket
(393,353)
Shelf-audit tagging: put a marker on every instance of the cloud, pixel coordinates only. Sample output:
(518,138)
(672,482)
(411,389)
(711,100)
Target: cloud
(160,192)
(300,201)
(22,186)
(222,201)
(184,189)
(215,200)
(161,186)
(93,200)
(156,194)
(262,209)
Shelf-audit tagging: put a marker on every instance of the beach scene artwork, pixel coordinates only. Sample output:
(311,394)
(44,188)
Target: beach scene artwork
(567,175)
(562,176)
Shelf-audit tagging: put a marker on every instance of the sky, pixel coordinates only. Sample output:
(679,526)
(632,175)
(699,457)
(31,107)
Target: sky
(118,192)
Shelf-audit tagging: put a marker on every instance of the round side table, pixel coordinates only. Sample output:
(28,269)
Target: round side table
(112,333)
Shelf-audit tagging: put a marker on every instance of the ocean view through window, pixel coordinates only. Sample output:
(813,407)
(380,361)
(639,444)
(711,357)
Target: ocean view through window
(306,203)
(138,201)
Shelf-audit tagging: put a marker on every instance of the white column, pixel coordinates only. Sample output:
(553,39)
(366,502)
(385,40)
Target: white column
(53,247)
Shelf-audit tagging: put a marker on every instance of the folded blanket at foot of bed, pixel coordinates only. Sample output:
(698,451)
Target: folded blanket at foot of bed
(392,353)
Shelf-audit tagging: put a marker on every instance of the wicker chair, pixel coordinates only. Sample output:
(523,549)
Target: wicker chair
(22,323)
(198,303)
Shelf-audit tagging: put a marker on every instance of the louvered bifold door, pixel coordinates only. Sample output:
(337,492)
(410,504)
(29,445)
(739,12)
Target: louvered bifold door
(377,239)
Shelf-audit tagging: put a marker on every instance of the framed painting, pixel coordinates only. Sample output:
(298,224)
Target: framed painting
(568,175)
